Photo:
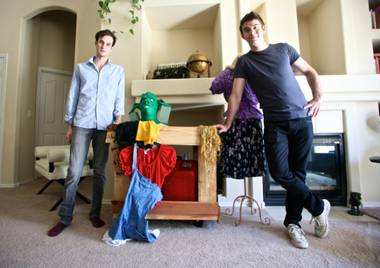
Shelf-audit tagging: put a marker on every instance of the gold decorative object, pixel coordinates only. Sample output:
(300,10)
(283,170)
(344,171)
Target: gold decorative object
(199,63)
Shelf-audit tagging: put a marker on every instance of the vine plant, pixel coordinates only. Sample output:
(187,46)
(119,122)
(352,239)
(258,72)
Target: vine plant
(105,11)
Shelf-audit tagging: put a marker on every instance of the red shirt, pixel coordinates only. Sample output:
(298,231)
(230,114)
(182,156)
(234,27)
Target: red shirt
(155,163)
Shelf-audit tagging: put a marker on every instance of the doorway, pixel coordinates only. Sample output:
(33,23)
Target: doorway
(48,42)
(53,86)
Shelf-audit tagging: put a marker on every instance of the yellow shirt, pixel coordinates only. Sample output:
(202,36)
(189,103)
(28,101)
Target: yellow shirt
(147,131)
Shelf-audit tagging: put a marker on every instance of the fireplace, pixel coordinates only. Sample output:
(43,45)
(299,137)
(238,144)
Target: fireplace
(326,172)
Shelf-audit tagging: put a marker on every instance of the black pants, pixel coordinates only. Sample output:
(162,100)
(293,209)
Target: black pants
(287,145)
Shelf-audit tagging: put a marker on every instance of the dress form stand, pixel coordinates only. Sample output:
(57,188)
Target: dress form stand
(250,203)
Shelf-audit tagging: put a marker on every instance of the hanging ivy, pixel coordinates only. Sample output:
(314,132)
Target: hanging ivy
(105,11)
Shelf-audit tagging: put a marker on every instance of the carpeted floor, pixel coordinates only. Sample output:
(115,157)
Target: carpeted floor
(373,212)
(25,219)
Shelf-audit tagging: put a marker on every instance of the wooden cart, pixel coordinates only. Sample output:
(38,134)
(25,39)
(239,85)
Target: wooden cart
(206,208)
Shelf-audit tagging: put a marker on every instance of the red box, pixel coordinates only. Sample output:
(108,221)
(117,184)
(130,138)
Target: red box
(181,184)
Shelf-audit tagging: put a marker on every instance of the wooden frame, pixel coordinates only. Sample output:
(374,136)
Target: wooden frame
(206,208)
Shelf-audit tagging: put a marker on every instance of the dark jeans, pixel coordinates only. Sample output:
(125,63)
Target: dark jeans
(78,154)
(287,145)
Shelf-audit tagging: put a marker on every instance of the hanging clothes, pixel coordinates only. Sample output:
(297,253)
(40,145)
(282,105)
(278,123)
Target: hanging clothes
(125,134)
(243,150)
(155,163)
(147,131)
(141,197)
(242,153)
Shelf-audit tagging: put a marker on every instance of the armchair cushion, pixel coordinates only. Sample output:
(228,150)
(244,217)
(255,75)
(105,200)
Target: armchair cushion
(52,161)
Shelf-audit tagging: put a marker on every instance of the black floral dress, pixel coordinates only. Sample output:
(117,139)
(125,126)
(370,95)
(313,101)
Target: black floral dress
(242,153)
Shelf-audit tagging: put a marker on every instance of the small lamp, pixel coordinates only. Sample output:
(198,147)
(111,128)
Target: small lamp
(355,202)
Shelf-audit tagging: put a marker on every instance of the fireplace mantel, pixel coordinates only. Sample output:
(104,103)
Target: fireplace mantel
(187,91)
(195,91)
(346,88)
(349,103)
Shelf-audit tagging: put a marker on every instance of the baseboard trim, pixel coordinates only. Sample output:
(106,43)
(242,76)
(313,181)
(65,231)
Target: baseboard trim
(107,202)
(371,204)
(17,184)
(9,185)
(27,181)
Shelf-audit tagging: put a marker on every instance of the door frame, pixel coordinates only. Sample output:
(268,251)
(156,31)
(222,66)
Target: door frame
(2,109)
(41,71)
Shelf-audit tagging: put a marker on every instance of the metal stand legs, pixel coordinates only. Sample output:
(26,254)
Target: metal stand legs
(250,202)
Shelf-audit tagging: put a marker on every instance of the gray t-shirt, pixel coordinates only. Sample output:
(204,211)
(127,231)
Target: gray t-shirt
(270,75)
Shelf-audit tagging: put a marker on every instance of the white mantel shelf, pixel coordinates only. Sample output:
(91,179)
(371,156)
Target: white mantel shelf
(179,91)
(346,88)
(336,88)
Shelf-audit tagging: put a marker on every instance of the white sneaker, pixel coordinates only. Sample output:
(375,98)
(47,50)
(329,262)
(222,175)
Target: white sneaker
(297,236)
(155,232)
(321,222)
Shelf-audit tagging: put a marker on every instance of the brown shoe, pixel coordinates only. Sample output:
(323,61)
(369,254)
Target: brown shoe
(97,222)
(57,229)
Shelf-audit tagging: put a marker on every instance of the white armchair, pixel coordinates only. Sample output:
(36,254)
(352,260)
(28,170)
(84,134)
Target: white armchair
(52,163)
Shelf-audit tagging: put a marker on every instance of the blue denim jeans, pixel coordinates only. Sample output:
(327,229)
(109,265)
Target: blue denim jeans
(78,154)
(287,146)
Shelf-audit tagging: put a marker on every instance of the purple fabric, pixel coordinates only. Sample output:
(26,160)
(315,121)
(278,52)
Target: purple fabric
(249,104)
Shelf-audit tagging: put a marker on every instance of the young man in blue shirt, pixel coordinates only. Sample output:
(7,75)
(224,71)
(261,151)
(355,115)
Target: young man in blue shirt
(288,132)
(95,103)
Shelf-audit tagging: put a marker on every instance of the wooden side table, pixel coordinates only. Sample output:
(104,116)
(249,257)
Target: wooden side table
(206,208)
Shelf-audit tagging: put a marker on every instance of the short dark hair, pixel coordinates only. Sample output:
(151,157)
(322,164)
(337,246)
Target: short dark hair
(248,17)
(106,32)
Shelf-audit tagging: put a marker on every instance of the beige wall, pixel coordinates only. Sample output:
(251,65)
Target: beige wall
(326,38)
(132,52)
(357,37)
(229,37)
(175,42)
(57,40)
(337,34)
(27,100)
(166,49)
(14,16)
(281,16)
(304,37)
(146,34)
(217,46)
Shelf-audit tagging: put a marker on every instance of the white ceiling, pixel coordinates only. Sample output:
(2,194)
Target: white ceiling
(181,16)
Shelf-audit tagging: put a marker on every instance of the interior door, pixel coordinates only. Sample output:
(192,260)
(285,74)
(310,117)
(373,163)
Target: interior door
(53,86)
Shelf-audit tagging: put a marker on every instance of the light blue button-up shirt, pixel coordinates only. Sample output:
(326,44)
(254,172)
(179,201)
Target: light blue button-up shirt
(95,98)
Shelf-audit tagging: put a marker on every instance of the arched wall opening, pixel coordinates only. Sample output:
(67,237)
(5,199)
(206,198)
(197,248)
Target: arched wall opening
(48,42)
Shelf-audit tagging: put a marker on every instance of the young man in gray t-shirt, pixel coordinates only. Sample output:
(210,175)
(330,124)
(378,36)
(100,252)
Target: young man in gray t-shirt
(288,132)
